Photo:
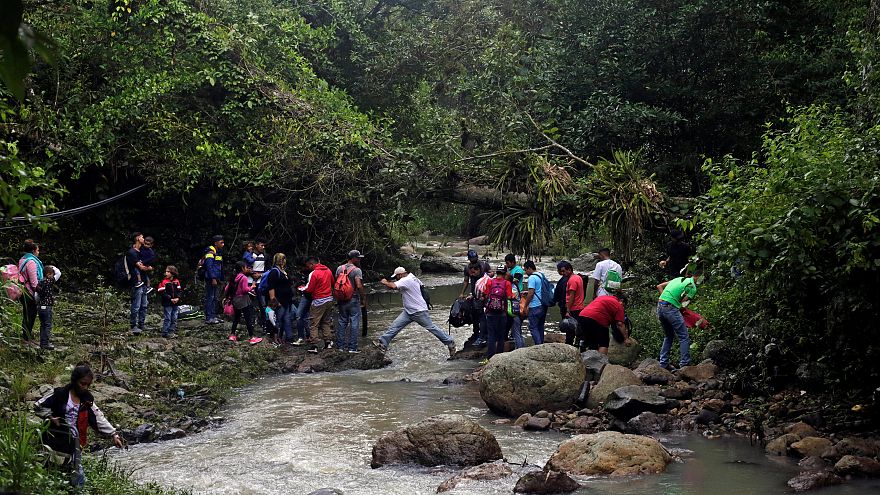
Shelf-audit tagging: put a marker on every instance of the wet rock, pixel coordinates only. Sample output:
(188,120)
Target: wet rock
(445,439)
(649,423)
(779,445)
(853,465)
(144,433)
(172,433)
(586,262)
(440,264)
(718,351)
(613,377)
(542,414)
(522,420)
(595,362)
(537,424)
(651,373)
(610,452)
(699,373)
(541,482)
(622,354)
(547,376)
(502,421)
(852,446)
(628,402)
(480,240)
(327,491)
(680,391)
(812,463)
(810,446)
(801,429)
(811,480)
(584,423)
(489,471)
(707,417)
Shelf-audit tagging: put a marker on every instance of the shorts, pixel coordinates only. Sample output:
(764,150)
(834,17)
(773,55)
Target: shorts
(592,333)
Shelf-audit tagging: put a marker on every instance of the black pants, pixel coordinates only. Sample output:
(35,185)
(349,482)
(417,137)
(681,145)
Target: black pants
(592,335)
(248,313)
(28,315)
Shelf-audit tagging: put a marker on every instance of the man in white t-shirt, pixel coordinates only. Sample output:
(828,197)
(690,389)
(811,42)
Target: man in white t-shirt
(415,309)
(600,274)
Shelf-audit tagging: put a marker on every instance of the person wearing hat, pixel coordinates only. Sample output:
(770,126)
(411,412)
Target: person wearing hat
(349,324)
(415,309)
(474,271)
(497,292)
(213,277)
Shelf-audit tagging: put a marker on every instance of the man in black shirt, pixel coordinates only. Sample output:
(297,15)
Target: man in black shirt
(677,254)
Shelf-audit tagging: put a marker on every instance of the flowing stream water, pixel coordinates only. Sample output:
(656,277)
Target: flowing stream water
(294,434)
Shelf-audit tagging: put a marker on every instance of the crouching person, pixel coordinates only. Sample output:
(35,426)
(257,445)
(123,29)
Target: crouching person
(71,411)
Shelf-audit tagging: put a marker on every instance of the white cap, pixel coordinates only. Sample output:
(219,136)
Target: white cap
(398,271)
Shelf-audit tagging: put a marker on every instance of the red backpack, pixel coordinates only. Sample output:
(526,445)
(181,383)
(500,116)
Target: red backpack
(343,291)
(497,302)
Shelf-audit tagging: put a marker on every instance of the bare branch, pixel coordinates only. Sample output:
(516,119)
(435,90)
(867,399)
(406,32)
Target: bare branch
(557,145)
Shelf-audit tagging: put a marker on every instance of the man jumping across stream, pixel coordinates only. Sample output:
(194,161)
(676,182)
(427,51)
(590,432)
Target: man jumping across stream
(415,309)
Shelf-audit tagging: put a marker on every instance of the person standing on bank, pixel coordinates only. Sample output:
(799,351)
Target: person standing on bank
(676,294)
(30,269)
(139,301)
(45,292)
(574,295)
(677,254)
(320,287)
(608,274)
(257,261)
(594,320)
(537,312)
(497,292)
(415,309)
(213,277)
(349,326)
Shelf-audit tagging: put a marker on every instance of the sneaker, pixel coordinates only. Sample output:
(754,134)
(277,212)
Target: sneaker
(298,342)
(139,284)
(276,345)
(47,347)
(479,343)
(354,351)
(379,345)
(255,340)
(329,344)
(669,367)
(313,350)
(170,335)
(233,338)
(451,348)
(150,289)
(341,349)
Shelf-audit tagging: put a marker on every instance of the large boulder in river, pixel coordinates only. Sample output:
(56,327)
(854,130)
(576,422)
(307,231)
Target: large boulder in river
(610,452)
(613,377)
(623,354)
(480,240)
(439,440)
(527,380)
(628,402)
(440,264)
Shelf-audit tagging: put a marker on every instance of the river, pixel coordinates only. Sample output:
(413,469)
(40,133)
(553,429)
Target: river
(293,434)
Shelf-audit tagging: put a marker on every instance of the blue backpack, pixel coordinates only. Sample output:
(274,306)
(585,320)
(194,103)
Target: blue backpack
(263,286)
(546,291)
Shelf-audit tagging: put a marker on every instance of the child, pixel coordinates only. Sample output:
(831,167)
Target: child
(239,292)
(248,257)
(148,257)
(45,293)
(170,291)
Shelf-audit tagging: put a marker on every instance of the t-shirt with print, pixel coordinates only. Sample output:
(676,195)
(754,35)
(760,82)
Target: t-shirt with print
(576,284)
(676,288)
(354,273)
(484,268)
(411,290)
(604,310)
(600,274)
(535,281)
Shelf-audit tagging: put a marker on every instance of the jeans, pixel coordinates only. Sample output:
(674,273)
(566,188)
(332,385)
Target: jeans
(169,324)
(79,474)
(284,321)
(138,306)
(349,321)
(497,333)
(515,324)
(302,317)
(211,300)
(423,318)
(248,313)
(45,313)
(673,326)
(260,303)
(28,314)
(536,323)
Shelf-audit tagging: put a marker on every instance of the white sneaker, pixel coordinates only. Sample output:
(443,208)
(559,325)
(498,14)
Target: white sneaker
(298,342)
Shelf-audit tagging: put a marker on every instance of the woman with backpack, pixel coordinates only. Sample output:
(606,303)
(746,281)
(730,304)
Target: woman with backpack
(497,292)
(30,270)
(239,293)
(280,297)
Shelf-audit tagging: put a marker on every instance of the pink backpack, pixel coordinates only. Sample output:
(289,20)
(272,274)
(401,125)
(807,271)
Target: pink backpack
(12,280)
(497,296)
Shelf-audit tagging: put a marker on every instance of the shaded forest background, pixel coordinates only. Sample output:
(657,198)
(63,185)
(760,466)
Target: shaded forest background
(326,125)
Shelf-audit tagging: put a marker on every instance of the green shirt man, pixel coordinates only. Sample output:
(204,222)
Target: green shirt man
(678,290)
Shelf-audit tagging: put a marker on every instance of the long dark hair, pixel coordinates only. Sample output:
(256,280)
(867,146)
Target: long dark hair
(80,371)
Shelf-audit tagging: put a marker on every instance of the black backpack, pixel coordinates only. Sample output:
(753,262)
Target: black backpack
(426,296)
(459,313)
(122,272)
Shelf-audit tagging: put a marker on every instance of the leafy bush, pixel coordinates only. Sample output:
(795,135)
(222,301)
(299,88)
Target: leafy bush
(793,235)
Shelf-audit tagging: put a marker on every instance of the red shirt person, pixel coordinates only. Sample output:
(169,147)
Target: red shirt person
(594,320)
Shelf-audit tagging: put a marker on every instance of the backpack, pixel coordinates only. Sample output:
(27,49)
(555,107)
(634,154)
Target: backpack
(612,281)
(200,268)
(12,280)
(122,272)
(497,296)
(263,285)
(546,291)
(426,296)
(458,314)
(343,290)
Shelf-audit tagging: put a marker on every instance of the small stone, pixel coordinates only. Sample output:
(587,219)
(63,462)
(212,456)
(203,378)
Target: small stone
(779,445)
(522,420)
(810,446)
(542,414)
(812,463)
(853,465)
(715,405)
(801,429)
(811,480)
(707,417)
(502,421)
(537,424)
(541,482)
